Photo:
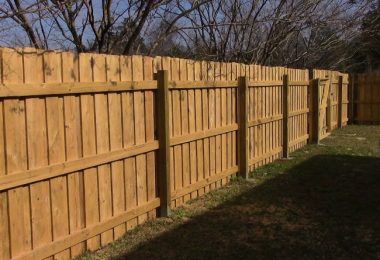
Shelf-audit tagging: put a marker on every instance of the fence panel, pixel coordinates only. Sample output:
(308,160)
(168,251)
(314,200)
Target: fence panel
(46,136)
(299,108)
(367,98)
(203,128)
(79,140)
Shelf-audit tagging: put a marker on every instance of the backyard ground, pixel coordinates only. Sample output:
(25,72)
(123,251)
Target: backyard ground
(322,203)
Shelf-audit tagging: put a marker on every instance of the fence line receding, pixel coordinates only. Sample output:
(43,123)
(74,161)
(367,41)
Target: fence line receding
(86,152)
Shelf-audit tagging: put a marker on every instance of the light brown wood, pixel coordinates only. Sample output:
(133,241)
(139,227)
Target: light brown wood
(140,134)
(90,176)
(56,151)
(199,127)
(340,102)
(53,89)
(264,156)
(316,106)
(205,124)
(37,152)
(102,146)
(150,111)
(285,116)
(78,149)
(89,232)
(73,145)
(205,182)
(202,134)
(116,142)
(217,83)
(218,123)
(365,95)
(185,114)
(128,135)
(176,126)
(4,227)
(274,83)
(16,158)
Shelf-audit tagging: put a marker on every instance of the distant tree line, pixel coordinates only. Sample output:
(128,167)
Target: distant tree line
(331,34)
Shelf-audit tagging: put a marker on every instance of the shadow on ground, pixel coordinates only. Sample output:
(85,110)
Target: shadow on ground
(325,207)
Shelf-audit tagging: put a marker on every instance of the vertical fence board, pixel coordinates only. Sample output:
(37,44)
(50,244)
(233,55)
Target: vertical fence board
(198,127)
(4,227)
(37,151)
(56,148)
(42,131)
(150,128)
(140,135)
(16,160)
(116,142)
(16,156)
(73,144)
(102,145)
(128,125)
(91,192)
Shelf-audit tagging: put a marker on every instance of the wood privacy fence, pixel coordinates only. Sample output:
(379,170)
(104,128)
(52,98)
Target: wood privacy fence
(92,145)
(331,88)
(366,98)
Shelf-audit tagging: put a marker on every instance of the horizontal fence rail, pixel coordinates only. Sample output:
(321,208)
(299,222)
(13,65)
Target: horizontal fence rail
(92,145)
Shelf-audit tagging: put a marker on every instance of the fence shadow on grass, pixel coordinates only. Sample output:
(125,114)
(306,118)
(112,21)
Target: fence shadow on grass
(325,207)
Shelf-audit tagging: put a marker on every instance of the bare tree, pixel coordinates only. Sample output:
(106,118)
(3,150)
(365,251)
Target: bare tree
(300,33)
(286,32)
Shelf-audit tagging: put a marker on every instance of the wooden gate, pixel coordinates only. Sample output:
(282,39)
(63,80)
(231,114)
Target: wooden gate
(320,116)
(328,98)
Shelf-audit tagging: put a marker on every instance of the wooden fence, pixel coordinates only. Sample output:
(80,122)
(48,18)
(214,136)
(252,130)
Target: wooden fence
(330,98)
(92,145)
(366,98)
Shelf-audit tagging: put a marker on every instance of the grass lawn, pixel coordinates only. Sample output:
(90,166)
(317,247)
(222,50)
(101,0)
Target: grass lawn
(322,203)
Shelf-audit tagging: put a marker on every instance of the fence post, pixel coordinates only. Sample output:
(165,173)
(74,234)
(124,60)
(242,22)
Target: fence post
(163,156)
(340,102)
(328,115)
(329,109)
(351,104)
(316,105)
(285,116)
(243,152)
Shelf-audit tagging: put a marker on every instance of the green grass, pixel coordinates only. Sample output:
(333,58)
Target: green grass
(322,203)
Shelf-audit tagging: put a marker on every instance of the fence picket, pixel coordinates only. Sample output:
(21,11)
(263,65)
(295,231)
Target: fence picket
(83,163)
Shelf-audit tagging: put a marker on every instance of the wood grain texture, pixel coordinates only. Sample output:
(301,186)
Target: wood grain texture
(20,236)
(90,176)
(365,94)
(90,147)
(163,134)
